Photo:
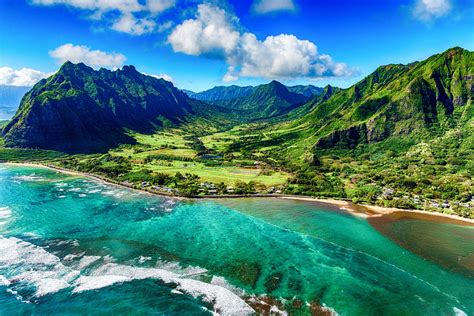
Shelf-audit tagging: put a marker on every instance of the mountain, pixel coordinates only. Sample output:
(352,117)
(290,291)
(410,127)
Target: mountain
(10,97)
(308,90)
(82,110)
(265,101)
(220,93)
(190,93)
(412,103)
(423,98)
(258,102)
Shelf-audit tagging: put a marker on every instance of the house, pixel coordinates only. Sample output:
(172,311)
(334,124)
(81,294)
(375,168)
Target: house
(212,191)
(388,194)
(230,189)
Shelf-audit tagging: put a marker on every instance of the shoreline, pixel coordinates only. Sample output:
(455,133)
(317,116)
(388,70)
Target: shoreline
(361,210)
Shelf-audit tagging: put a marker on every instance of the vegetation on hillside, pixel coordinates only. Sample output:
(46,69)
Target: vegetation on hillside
(401,137)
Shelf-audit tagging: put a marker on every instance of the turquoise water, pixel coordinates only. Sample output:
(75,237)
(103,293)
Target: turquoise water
(72,245)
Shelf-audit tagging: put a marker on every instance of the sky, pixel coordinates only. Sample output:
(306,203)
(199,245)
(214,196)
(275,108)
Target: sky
(201,44)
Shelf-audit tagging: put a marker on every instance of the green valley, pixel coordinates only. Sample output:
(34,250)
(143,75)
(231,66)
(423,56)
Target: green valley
(402,137)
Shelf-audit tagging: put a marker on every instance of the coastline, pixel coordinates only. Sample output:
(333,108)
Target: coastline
(361,210)
(93,177)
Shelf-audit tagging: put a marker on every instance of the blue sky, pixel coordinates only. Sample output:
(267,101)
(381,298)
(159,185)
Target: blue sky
(200,44)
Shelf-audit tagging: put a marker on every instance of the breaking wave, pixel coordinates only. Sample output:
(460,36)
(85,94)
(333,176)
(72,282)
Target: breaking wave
(24,265)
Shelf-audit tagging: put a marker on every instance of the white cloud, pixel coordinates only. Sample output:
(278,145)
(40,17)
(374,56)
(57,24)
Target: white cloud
(158,6)
(268,6)
(93,58)
(427,10)
(216,33)
(131,25)
(162,76)
(24,77)
(213,32)
(134,17)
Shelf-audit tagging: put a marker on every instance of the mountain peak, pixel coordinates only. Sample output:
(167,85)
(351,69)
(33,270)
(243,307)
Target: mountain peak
(276,83)
(70,65)
(129,69)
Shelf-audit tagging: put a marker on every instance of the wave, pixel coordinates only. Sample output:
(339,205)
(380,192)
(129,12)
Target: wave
(25,264)
(5,214)
(29,178)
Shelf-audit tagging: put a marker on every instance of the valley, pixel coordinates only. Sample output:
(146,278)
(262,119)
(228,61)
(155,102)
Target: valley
(402,137)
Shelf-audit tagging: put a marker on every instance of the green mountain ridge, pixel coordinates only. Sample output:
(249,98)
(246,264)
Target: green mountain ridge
(426,98)
(82,110)
(259,102)
(266,101)
(417,102)
(401,137)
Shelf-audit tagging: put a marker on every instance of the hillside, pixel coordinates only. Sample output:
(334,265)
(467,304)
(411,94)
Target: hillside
(402,137)
(265,101)
(260,102)
(404,129)
(422,99)
(308,90)
(221,93)
(82,110)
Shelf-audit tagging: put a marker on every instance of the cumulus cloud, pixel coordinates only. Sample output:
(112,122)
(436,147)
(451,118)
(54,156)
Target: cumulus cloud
(24,77)
(93,58)
(128,16)
(268,6)
(128,23)
(216,33)
(212,32)
(427,10)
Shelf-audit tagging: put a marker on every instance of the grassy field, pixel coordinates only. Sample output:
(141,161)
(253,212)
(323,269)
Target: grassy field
(173,145)
(217,174)
(220,141)
(171,137)
(170,143)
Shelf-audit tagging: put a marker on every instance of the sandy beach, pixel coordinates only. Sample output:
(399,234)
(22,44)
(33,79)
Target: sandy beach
(361,210)
(367,211)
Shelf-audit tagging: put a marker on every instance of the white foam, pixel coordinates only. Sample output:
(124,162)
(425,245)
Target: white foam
(22,261)
(87,283)
(222,282)
(274,310)
(29,178)
(223,300)
(5,214)
(4,281)
(94,191)
(459,312)
(49,286)
(143,259)
(87,261)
